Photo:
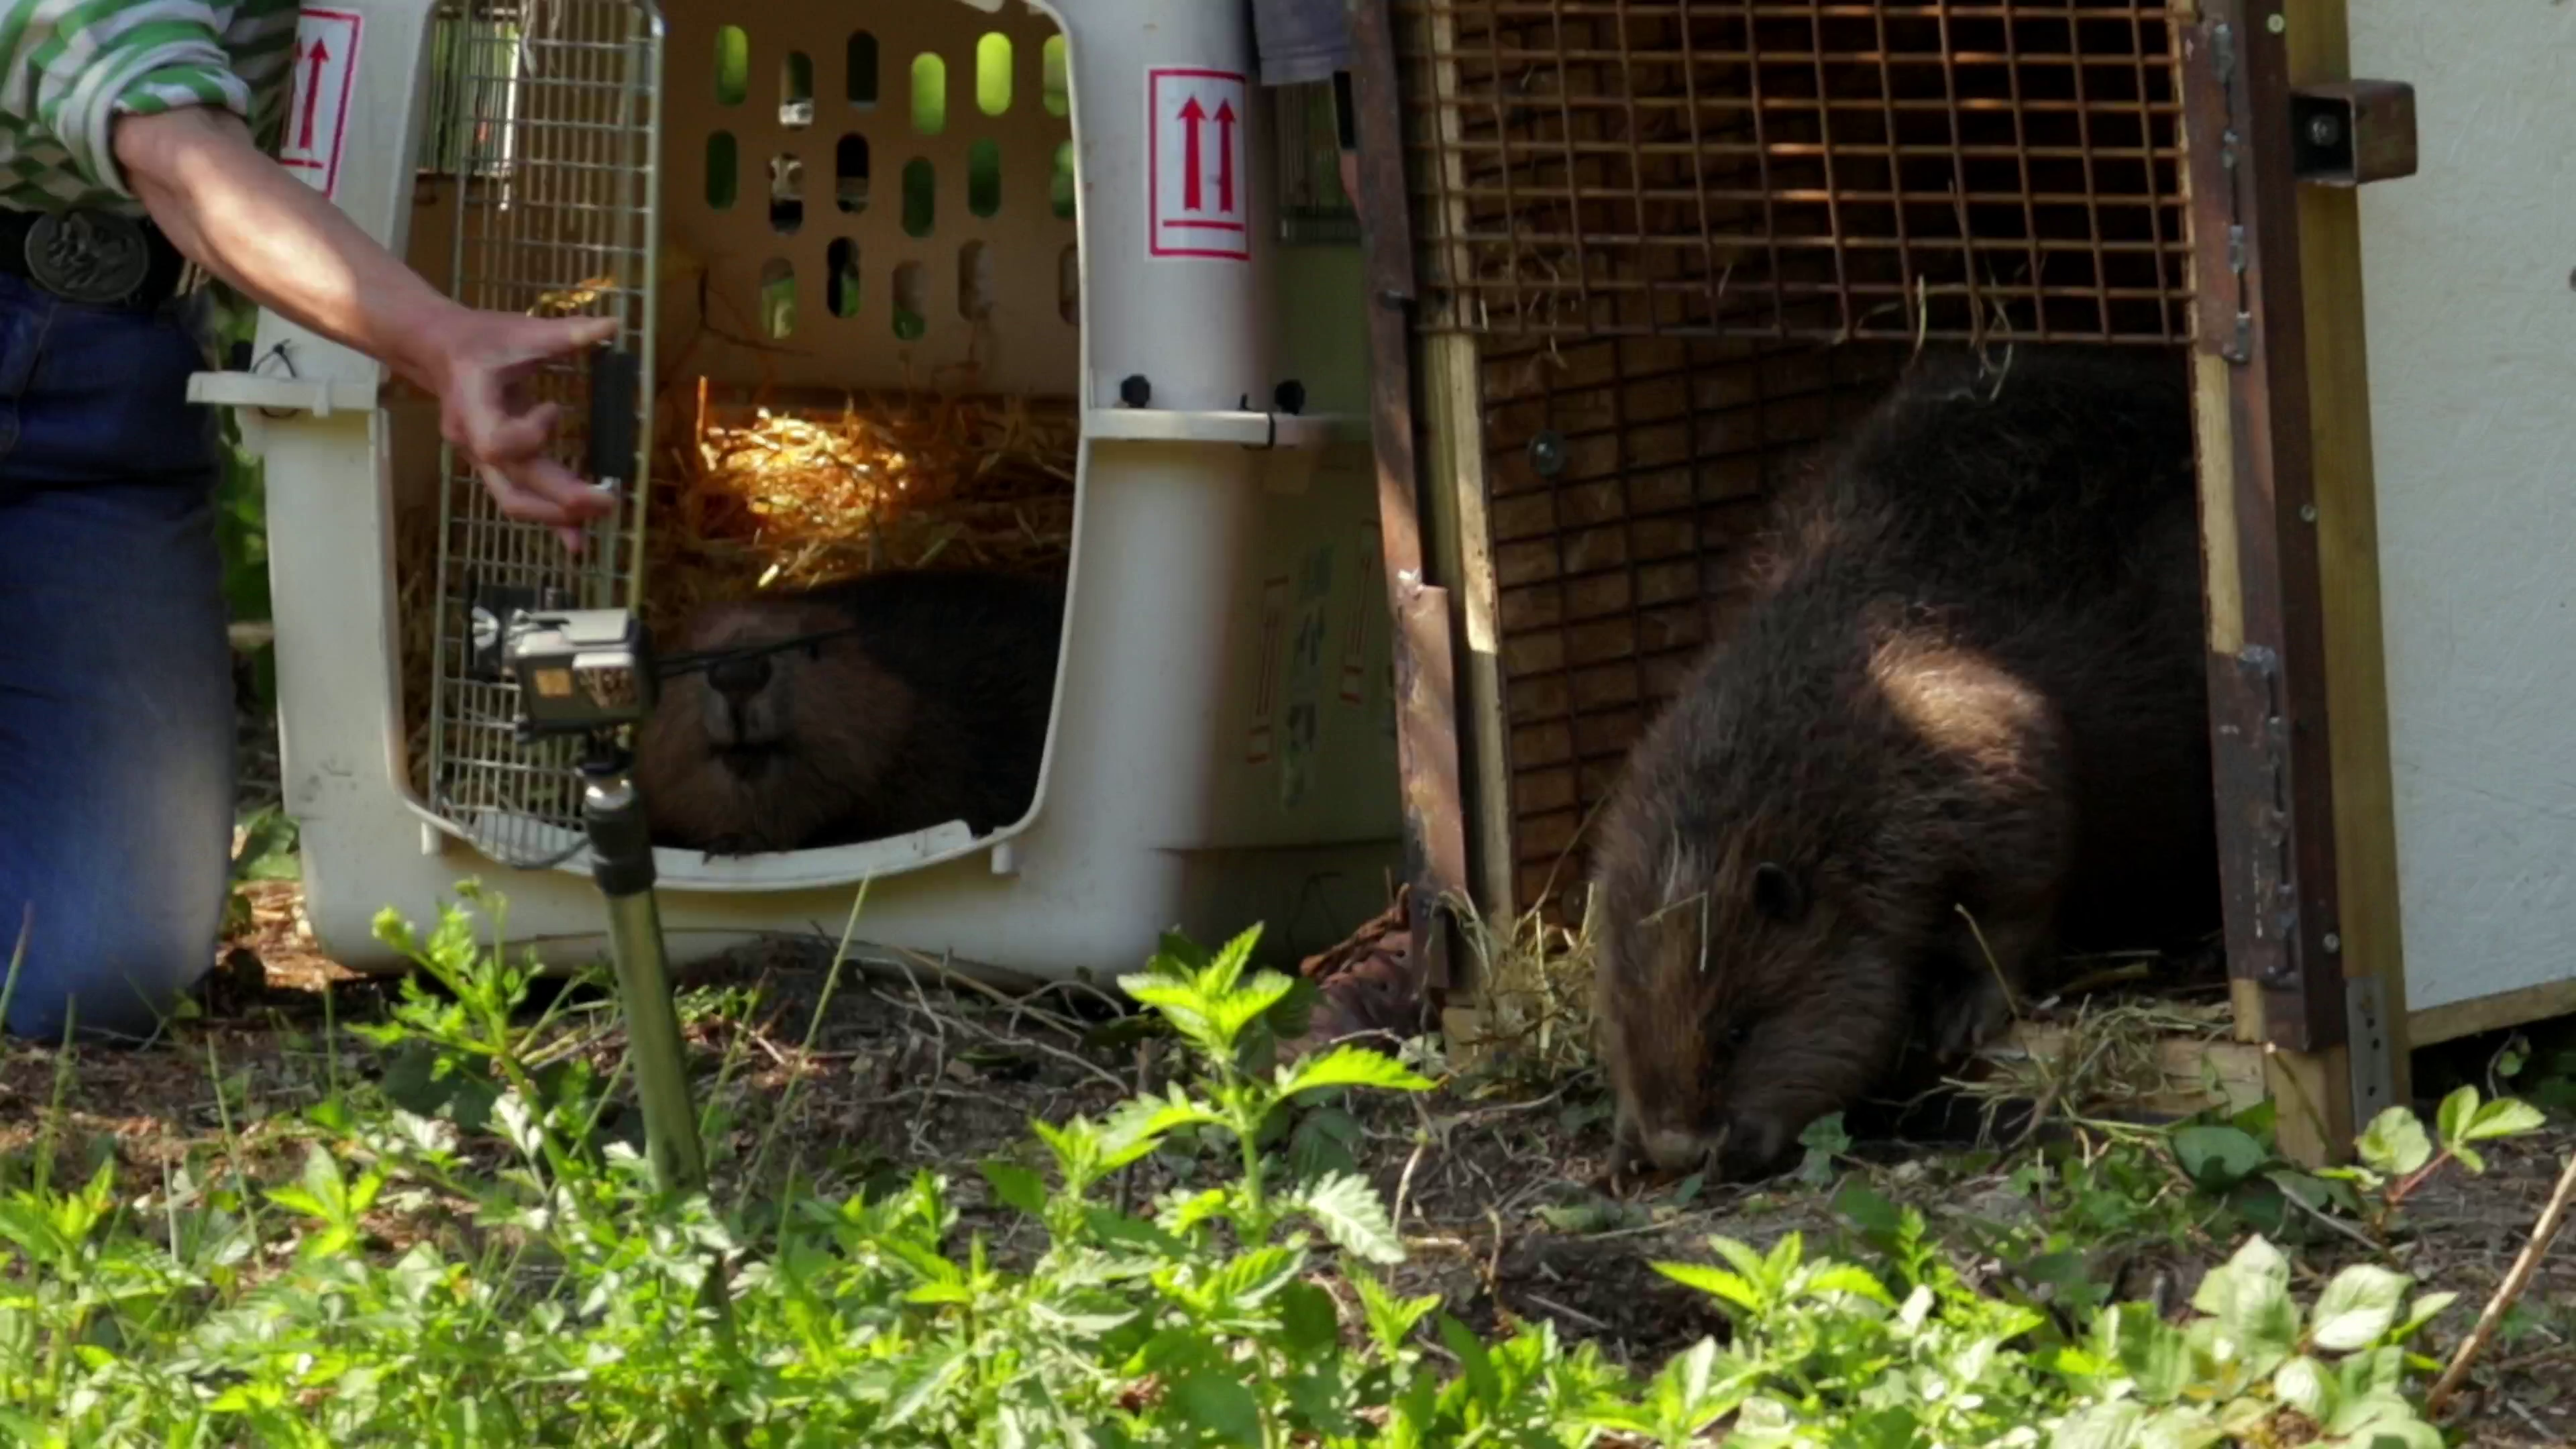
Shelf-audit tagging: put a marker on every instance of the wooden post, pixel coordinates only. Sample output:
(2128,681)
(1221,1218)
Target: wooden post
(2298,691)
(2347,533)
(1427,755)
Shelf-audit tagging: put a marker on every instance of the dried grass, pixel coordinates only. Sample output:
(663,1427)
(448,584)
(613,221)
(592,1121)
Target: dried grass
(2109,1056)
(1537,988)
(752,496)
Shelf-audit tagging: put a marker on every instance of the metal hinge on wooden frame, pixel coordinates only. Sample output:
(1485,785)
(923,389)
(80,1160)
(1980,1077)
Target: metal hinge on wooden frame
(2352,133)
(2263,792)
(2225,63)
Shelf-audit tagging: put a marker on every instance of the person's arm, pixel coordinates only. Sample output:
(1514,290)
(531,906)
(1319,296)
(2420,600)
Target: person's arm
(238,214)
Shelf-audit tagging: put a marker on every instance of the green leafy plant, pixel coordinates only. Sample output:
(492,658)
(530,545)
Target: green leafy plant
(2398,1156)
(2253,1367)
(467,1251)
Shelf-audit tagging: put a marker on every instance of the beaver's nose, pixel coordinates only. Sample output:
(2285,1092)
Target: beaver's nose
(739,677)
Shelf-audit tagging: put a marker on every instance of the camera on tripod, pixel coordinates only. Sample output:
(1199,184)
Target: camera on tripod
(579,671)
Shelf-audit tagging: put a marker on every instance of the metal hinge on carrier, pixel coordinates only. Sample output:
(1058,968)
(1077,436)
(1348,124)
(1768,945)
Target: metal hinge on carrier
(2342,134)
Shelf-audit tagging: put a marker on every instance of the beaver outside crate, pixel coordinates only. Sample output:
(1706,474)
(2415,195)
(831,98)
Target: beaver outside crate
(887,268)
(1660,252)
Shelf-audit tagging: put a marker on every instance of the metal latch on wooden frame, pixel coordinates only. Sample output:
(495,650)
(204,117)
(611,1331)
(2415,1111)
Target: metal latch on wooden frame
(2351,133)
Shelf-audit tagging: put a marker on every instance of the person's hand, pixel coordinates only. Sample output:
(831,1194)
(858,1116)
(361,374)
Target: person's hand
(477,364)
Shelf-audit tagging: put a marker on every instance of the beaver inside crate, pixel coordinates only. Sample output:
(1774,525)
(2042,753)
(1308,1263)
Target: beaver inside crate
(762,491)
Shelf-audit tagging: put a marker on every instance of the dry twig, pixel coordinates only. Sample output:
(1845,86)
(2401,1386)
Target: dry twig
(2506,1292)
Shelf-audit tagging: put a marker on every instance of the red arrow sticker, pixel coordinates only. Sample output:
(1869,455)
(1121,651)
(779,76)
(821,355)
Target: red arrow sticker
(1194,157)
(317,116)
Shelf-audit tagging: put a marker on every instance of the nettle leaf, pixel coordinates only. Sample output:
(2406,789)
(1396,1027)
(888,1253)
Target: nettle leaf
(1220,1405)
(1221,973)
(1756,1269)
(1349,1212)
(1140,1126)
(1350,1066)
(1868,1211)
(1179,1002)
(2396,1143)
(2217,1158)
(1716,1282)
(923,1380)
(1247,1003)
(2358,1306)
(1391,1320)
(1844,1278)
(1308,1321)
(1249,1280)
(1476,1363)
(1324,1141)
(1016,1186)
(1075,1144)
(1182,1212)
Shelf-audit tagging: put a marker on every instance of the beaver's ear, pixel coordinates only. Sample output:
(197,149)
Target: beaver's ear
(1777,894)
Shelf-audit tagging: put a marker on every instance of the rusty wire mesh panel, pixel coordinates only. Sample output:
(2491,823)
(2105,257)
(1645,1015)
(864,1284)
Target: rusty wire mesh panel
(1984,169)
(1625,474)
(549,113)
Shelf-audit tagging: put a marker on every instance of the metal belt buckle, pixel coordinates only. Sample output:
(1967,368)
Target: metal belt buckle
(93,257)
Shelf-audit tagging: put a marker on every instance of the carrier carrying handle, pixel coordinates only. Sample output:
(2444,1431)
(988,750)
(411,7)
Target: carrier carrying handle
(614,376)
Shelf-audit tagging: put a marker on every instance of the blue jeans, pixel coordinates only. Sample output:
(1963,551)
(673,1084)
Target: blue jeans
(116,694)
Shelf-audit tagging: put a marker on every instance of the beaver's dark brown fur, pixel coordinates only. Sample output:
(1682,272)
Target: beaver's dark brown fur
(1971,679)
(934,709)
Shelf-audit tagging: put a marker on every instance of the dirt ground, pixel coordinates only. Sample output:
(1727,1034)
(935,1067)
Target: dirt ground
(1501,1189)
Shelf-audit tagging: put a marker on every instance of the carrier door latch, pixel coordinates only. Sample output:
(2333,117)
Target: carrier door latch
(2351,133)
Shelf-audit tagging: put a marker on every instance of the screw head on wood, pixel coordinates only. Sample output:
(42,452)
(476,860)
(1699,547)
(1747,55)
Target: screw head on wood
(2276,23)
(2333,943)
(2307,513)
(1547,453)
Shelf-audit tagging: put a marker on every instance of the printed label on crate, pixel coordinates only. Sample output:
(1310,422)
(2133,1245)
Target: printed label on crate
(1303,722)
(1274,608)
(1199,202)
(317,110)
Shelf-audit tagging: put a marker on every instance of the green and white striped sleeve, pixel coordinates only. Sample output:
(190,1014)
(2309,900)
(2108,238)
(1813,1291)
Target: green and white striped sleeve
(74,66)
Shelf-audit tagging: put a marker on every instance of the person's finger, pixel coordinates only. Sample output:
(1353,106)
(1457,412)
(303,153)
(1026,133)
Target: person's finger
(519,504)
(532,341)
(570,538)
(586,332)
(545,478)
(493,435)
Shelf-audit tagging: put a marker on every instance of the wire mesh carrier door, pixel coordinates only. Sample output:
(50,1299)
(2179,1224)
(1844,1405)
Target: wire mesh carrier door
(548,114)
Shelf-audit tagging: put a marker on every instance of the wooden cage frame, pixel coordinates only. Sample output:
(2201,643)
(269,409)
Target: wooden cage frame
(2307,830)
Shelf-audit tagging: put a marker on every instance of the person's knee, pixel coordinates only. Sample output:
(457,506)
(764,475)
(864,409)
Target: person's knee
(109,974)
